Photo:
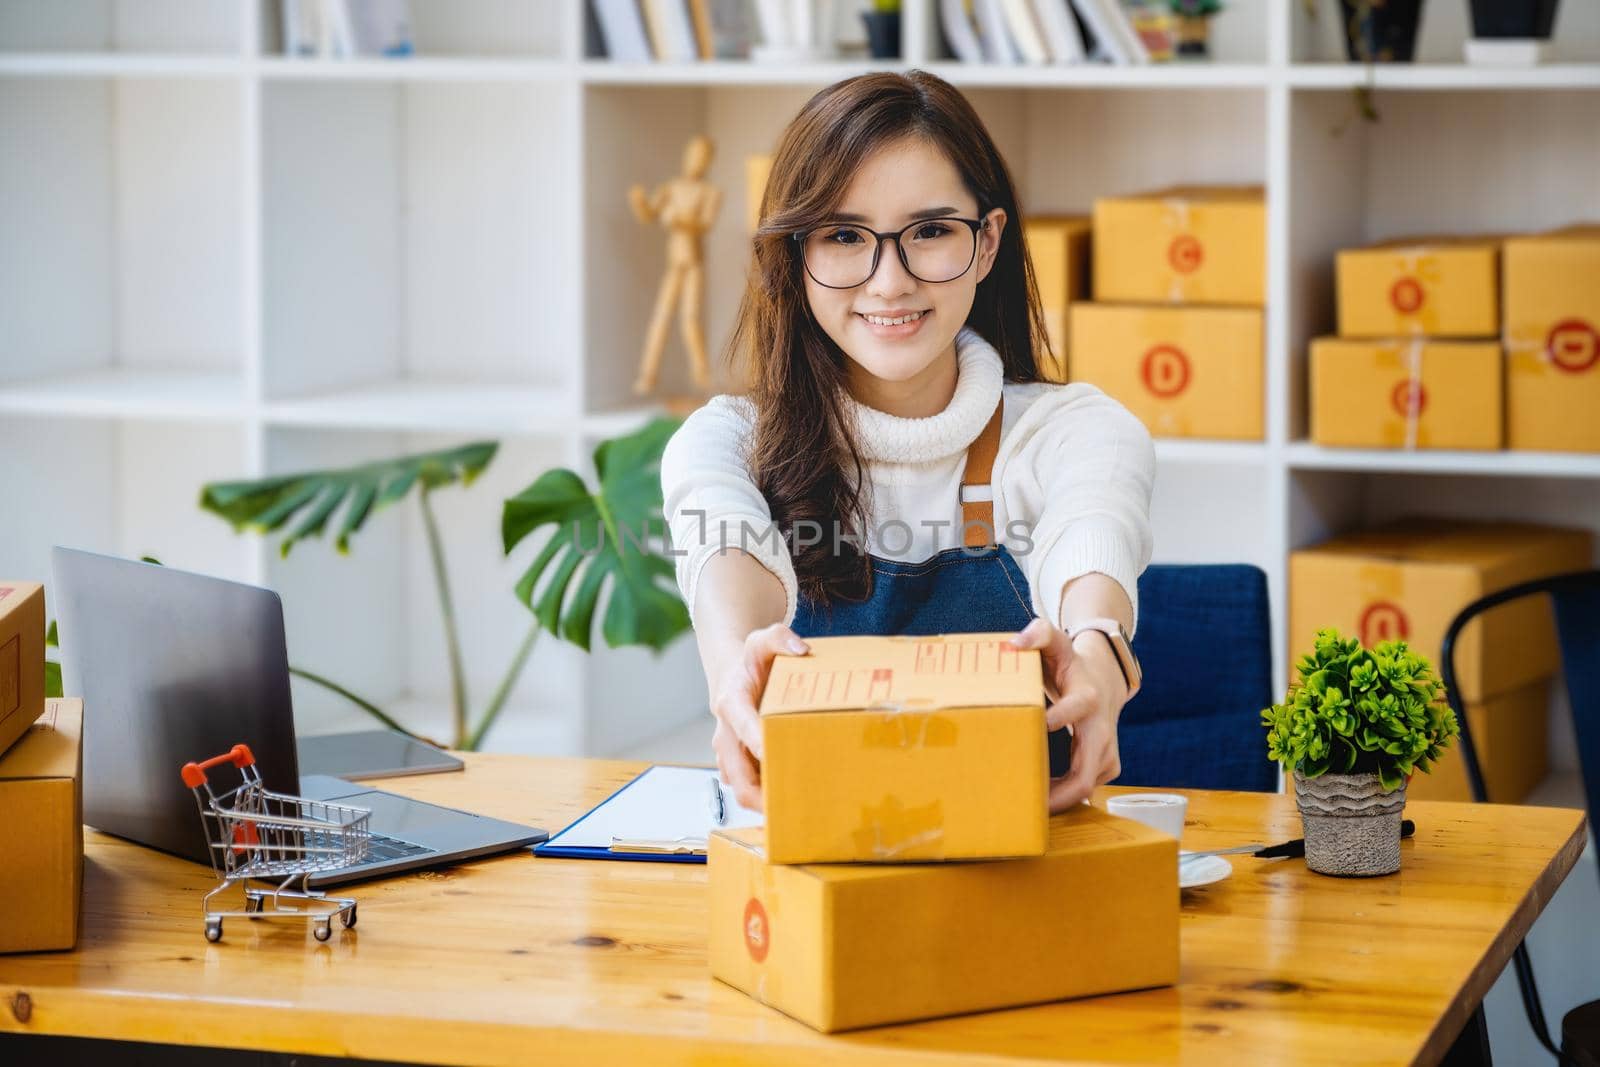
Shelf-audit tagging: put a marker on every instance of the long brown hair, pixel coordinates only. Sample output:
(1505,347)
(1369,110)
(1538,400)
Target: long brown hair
(804,454)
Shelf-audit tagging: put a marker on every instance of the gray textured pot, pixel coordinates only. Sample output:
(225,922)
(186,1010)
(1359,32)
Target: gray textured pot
(1352,826)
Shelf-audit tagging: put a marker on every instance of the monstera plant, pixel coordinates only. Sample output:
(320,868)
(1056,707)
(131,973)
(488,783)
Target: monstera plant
(608,532)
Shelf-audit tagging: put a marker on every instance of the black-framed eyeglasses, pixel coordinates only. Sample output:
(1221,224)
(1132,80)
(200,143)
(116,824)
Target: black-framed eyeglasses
(841,255)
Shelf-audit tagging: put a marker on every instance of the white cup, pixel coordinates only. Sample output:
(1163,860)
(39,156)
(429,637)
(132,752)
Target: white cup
(1159,811)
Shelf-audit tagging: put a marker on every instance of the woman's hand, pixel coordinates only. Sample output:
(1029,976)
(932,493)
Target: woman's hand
(1087,687)
(735,697)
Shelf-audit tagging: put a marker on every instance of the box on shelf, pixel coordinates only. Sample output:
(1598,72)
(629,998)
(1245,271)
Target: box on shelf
(1059,248)
(1186,371)
(1511,732)
(1406,393)
(905,748)
(41,833)
(1187,244)
(1552,336)
(840,946)
(1409,579)
(21,658)
(1433,287)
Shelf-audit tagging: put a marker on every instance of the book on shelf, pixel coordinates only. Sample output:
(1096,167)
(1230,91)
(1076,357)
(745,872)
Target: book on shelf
(1038,32)
(343,29)
(680,31)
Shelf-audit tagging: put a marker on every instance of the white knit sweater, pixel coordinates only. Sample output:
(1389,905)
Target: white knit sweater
(1073,476)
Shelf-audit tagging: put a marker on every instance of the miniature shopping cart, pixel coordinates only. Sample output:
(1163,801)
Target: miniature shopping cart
(256,834)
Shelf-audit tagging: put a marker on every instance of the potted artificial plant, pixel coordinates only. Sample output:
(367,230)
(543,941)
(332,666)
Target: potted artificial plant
(1380,31)
(1352,731)
(882,19)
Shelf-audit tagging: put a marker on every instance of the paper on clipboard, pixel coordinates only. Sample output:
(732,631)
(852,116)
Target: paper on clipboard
(665,804)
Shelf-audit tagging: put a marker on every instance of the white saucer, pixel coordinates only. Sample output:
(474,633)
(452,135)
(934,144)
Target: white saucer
(1203,871)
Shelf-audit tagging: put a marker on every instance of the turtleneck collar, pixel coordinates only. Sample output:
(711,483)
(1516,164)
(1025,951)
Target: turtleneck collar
(887,438)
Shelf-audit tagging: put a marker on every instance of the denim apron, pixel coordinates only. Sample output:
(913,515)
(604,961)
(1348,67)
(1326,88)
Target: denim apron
(976,588)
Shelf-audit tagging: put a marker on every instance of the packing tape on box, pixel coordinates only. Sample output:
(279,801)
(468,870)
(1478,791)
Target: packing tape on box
(1178,209)
(909,724)
(890,829)
(1413,390)
(1420,265)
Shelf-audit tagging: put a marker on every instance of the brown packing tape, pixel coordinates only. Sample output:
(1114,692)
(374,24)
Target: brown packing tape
(1415,398)
(1178,215)
(1419,266)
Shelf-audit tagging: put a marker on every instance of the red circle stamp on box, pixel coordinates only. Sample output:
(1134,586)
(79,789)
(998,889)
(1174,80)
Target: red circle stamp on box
(757,930)
(1383,621)
(1165,370)
(1409,398)
(1573,345)
(1406,295)
(1185,254)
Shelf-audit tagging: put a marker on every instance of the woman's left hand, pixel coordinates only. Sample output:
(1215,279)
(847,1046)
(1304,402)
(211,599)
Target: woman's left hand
(1087,687)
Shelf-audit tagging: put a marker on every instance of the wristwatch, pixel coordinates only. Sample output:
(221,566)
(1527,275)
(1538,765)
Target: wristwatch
(1120,647)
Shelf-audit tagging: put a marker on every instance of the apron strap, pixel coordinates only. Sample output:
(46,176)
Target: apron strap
(977,492)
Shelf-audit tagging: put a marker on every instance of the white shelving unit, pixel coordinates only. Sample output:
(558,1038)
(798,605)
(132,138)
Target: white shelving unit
(219,262)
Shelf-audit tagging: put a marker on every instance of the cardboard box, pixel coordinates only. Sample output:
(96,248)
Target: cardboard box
(1511,732)
(1552,336)
(1406,394)
(41,833)
(1184,245)
(1434,287)
(1410,579)
(905,748)
(21,658)
(1059,248)
(842,946)
(1187,372)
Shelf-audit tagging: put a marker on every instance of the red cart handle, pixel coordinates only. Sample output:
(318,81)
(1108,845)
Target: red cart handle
(194,774)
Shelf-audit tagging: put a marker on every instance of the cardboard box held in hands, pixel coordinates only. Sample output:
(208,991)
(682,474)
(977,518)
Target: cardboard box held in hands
(840,946)
(905,748)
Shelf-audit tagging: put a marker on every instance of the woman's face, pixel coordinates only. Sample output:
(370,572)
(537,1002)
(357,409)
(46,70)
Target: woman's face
(899,184)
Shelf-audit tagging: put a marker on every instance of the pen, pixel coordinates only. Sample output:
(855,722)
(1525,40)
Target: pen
(719,806)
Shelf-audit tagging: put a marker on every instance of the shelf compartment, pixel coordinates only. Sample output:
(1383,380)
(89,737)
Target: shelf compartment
(1305,455)
(131,393)
(412,234)
(509,408)
(175,26)
(121,200)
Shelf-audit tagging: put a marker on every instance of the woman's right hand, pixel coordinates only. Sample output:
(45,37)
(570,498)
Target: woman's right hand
(735,696)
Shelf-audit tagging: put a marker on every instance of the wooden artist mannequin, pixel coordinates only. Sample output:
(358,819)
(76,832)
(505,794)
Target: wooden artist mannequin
(686,207)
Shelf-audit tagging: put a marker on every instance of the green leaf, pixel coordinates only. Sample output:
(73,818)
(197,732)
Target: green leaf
(268,504)
(51,638)
(601,543)
(52,676)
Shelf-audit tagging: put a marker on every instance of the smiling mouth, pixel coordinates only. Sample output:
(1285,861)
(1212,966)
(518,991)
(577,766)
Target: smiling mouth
(898,320)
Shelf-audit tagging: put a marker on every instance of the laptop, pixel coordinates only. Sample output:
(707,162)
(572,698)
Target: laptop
(174,667)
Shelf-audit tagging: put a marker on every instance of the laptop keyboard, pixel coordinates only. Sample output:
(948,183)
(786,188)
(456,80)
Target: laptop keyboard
(382,848)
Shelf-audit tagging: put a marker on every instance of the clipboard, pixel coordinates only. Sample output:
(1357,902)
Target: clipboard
(663,815)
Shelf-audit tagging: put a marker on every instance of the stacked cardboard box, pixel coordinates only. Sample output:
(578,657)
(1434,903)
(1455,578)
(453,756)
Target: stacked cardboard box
(1552,336)
(1416,363)
(1409,580)
(41,833)
(21,658)
(1175,330)
(890,765)
(1059,248)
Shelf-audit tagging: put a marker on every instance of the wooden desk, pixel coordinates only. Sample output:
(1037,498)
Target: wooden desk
(593,962)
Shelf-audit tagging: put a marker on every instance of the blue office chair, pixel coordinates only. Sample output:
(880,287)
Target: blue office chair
(1576,598)
(1205,643)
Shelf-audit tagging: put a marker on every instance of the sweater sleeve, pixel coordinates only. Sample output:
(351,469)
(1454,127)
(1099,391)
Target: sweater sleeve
(712,503)
(1079,469)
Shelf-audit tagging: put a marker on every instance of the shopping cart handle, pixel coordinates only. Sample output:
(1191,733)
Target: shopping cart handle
(194,774)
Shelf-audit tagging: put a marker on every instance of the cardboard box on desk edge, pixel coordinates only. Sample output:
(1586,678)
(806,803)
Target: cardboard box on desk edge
(1410,578)
(1433,287)
(892,749)
(840,946)
(1058,245)
(1185,371)
(1511,733)
(1182,245)
(1552,338)
(21,658)
(41,832)
(1406,393)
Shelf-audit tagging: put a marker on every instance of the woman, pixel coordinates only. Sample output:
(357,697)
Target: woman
(889,326)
